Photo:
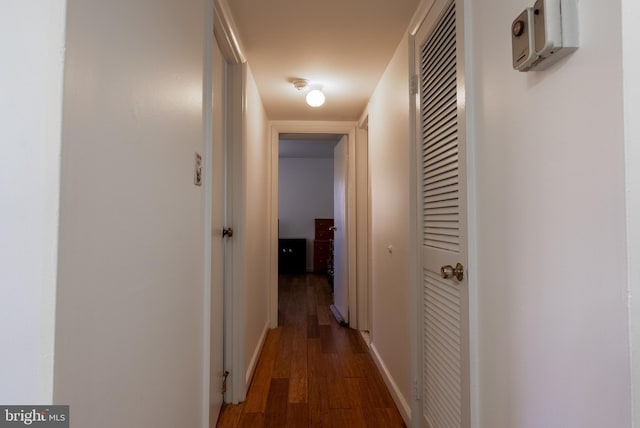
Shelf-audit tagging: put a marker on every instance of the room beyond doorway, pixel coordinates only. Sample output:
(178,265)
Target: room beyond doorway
(305,193)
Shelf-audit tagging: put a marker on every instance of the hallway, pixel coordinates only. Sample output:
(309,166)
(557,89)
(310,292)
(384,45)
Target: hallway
(311,371)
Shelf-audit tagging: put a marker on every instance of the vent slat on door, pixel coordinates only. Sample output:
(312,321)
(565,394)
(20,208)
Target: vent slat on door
(439,125)
(442,352)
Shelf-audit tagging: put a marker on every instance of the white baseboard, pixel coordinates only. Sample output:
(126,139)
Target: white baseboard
(366,337)
(337,315)
(256,354)
(398,398)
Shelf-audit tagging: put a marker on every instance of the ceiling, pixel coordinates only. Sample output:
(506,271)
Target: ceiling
(345,45)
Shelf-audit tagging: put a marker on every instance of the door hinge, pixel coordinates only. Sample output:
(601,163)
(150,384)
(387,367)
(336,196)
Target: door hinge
(413,84)
(224,381)
(227,232)
(416,390)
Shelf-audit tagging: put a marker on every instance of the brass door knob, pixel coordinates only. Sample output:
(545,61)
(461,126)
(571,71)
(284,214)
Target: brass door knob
(448,272)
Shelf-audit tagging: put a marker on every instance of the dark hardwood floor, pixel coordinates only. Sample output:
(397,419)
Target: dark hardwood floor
(312,372)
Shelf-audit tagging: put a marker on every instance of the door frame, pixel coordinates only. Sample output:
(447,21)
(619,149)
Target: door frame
(466,49)
(207,188)
(277,127)
(363,211)
(225,32)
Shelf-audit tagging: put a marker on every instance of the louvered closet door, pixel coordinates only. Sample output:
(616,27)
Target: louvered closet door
(442,184)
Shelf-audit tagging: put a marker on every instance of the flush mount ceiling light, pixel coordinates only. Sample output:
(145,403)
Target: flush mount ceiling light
(315,97)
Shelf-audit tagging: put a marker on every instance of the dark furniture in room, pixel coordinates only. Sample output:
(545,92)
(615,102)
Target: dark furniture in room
(322,245)
(292,256)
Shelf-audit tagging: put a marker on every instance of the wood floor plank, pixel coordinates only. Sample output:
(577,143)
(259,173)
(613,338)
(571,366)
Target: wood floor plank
(282,363)
(251,420)
(311,300)
(318,400)
(357,343)
(328,339)
(313,330)
(315,359)
(383,418)
(332,366)
(297,415)
(377,392)
(229,416)
(324,315)
(344,418)
(275,414)
(257,394)
(299,370)
(352,365)
(343,394)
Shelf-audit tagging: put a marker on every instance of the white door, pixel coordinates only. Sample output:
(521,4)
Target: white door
(340,282)
(217,251)
(444,317)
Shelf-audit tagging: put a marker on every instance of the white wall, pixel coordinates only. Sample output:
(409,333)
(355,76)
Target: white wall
(32,52)
(631,47)
(551,274)
(305,192)
(129,332)
(389,160)
(255,300)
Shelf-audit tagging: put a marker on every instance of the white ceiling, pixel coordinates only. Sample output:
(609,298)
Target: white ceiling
(343,44)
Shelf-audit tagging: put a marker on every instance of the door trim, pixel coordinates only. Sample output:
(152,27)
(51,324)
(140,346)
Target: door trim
(207,189)
(225,31)
(277,127)
(363,211)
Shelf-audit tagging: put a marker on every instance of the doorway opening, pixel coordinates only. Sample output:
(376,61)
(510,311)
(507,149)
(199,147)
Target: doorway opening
(300,130)
(312,178)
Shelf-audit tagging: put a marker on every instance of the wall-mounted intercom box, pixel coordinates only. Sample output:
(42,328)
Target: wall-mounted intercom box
(543,34)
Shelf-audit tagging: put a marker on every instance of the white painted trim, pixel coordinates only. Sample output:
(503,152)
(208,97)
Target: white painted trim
(226,33)
(272,202)
(253,363)
(313,127)
(352,257)
(472,218)
(398,398)
(207,143)
(366,337)
(420,14)
(414,243)
(234,249)
(238,171)
(363,225)
(631,67)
